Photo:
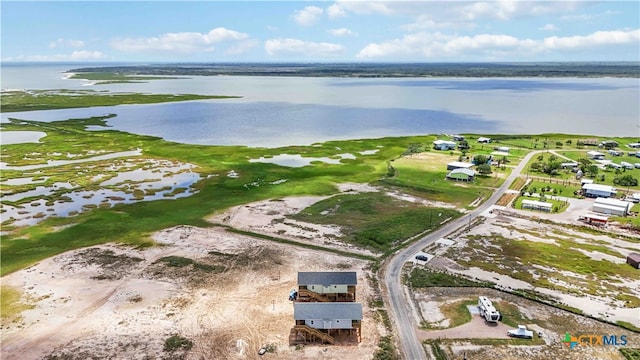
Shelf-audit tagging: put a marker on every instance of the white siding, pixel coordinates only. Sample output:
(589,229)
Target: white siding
(329,323)
(331,289)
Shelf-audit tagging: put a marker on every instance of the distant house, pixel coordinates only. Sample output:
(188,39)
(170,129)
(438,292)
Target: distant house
(537,205)
(457,137)
(569,165)
(459,165)
(586,181)
(633,259)
(444,145)
(504,149)
(326,321)
(461,175)
(634,145)
(615,152)
(595,155)
(626,165)
(598,190)
(613,165)
(611,206)
(327,286)
(589,142)
(608,144)
(484,140)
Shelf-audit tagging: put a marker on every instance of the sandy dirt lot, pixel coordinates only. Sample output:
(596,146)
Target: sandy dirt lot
(551,322)
(230,298)
(522,226)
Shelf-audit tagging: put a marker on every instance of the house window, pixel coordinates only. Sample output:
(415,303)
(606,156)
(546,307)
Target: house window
(311,322)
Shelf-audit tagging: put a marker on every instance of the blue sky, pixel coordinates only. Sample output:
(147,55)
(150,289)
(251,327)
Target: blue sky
(322,31)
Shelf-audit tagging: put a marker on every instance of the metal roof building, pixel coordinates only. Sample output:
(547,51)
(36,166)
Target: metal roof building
(461,174)
(611,206)
(598,190)
(327,278)
(459,165)
(536,205)
(326,312)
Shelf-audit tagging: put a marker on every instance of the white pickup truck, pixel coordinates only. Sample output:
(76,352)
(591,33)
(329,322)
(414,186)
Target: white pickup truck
(521,332)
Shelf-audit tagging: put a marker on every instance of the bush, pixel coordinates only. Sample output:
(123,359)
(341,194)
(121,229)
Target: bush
(177,342)
(386,350)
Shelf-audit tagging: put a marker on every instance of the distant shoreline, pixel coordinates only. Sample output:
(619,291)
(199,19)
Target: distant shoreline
(379,70)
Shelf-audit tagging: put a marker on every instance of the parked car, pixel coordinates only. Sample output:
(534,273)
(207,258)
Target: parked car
(422,257)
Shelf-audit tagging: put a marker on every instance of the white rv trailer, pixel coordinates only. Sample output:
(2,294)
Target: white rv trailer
(487,310)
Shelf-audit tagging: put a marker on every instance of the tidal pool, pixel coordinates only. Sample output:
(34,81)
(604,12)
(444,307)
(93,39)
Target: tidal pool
(297,160)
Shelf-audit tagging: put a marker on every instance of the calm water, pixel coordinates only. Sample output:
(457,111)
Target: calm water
(278,111)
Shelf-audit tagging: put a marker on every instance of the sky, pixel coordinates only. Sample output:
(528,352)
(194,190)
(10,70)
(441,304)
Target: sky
(319,31)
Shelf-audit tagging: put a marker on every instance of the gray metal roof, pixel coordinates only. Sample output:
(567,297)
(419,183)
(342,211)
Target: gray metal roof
(327,278)
(327,311)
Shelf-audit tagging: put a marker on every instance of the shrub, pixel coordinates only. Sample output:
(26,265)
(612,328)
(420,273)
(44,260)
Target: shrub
(177,342)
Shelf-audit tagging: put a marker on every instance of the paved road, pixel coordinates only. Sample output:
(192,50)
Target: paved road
(401,309)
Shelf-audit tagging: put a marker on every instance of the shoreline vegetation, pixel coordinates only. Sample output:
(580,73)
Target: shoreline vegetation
(229,178)
(31,100)
(366,70)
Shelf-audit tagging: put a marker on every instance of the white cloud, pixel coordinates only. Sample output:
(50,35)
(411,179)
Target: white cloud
(222,34)
(79,55)
(289,47)
(336,11)
(308,16)
(181,43)
(459,11)
(488,46)
(427,21)
(369,7)
(598,38)
(506,9)
(549,27)
(60,42)
(342,32)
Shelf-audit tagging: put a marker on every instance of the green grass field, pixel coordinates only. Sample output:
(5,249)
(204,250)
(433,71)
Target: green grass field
(375,220)
(134,223)
(65,99)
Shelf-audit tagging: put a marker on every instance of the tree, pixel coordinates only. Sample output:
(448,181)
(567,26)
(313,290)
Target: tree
(484,169)
(480,159)
(626,180)
(592,170)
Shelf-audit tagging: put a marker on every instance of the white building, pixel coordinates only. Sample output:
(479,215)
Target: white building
(611,206)
(444,145)
(537,205)
(626,165)
(595,155)
(484,140)
(598,190)
(459,165)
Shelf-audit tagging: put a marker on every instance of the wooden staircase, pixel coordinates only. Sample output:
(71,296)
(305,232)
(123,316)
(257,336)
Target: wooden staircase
(315,332)
(314,295)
